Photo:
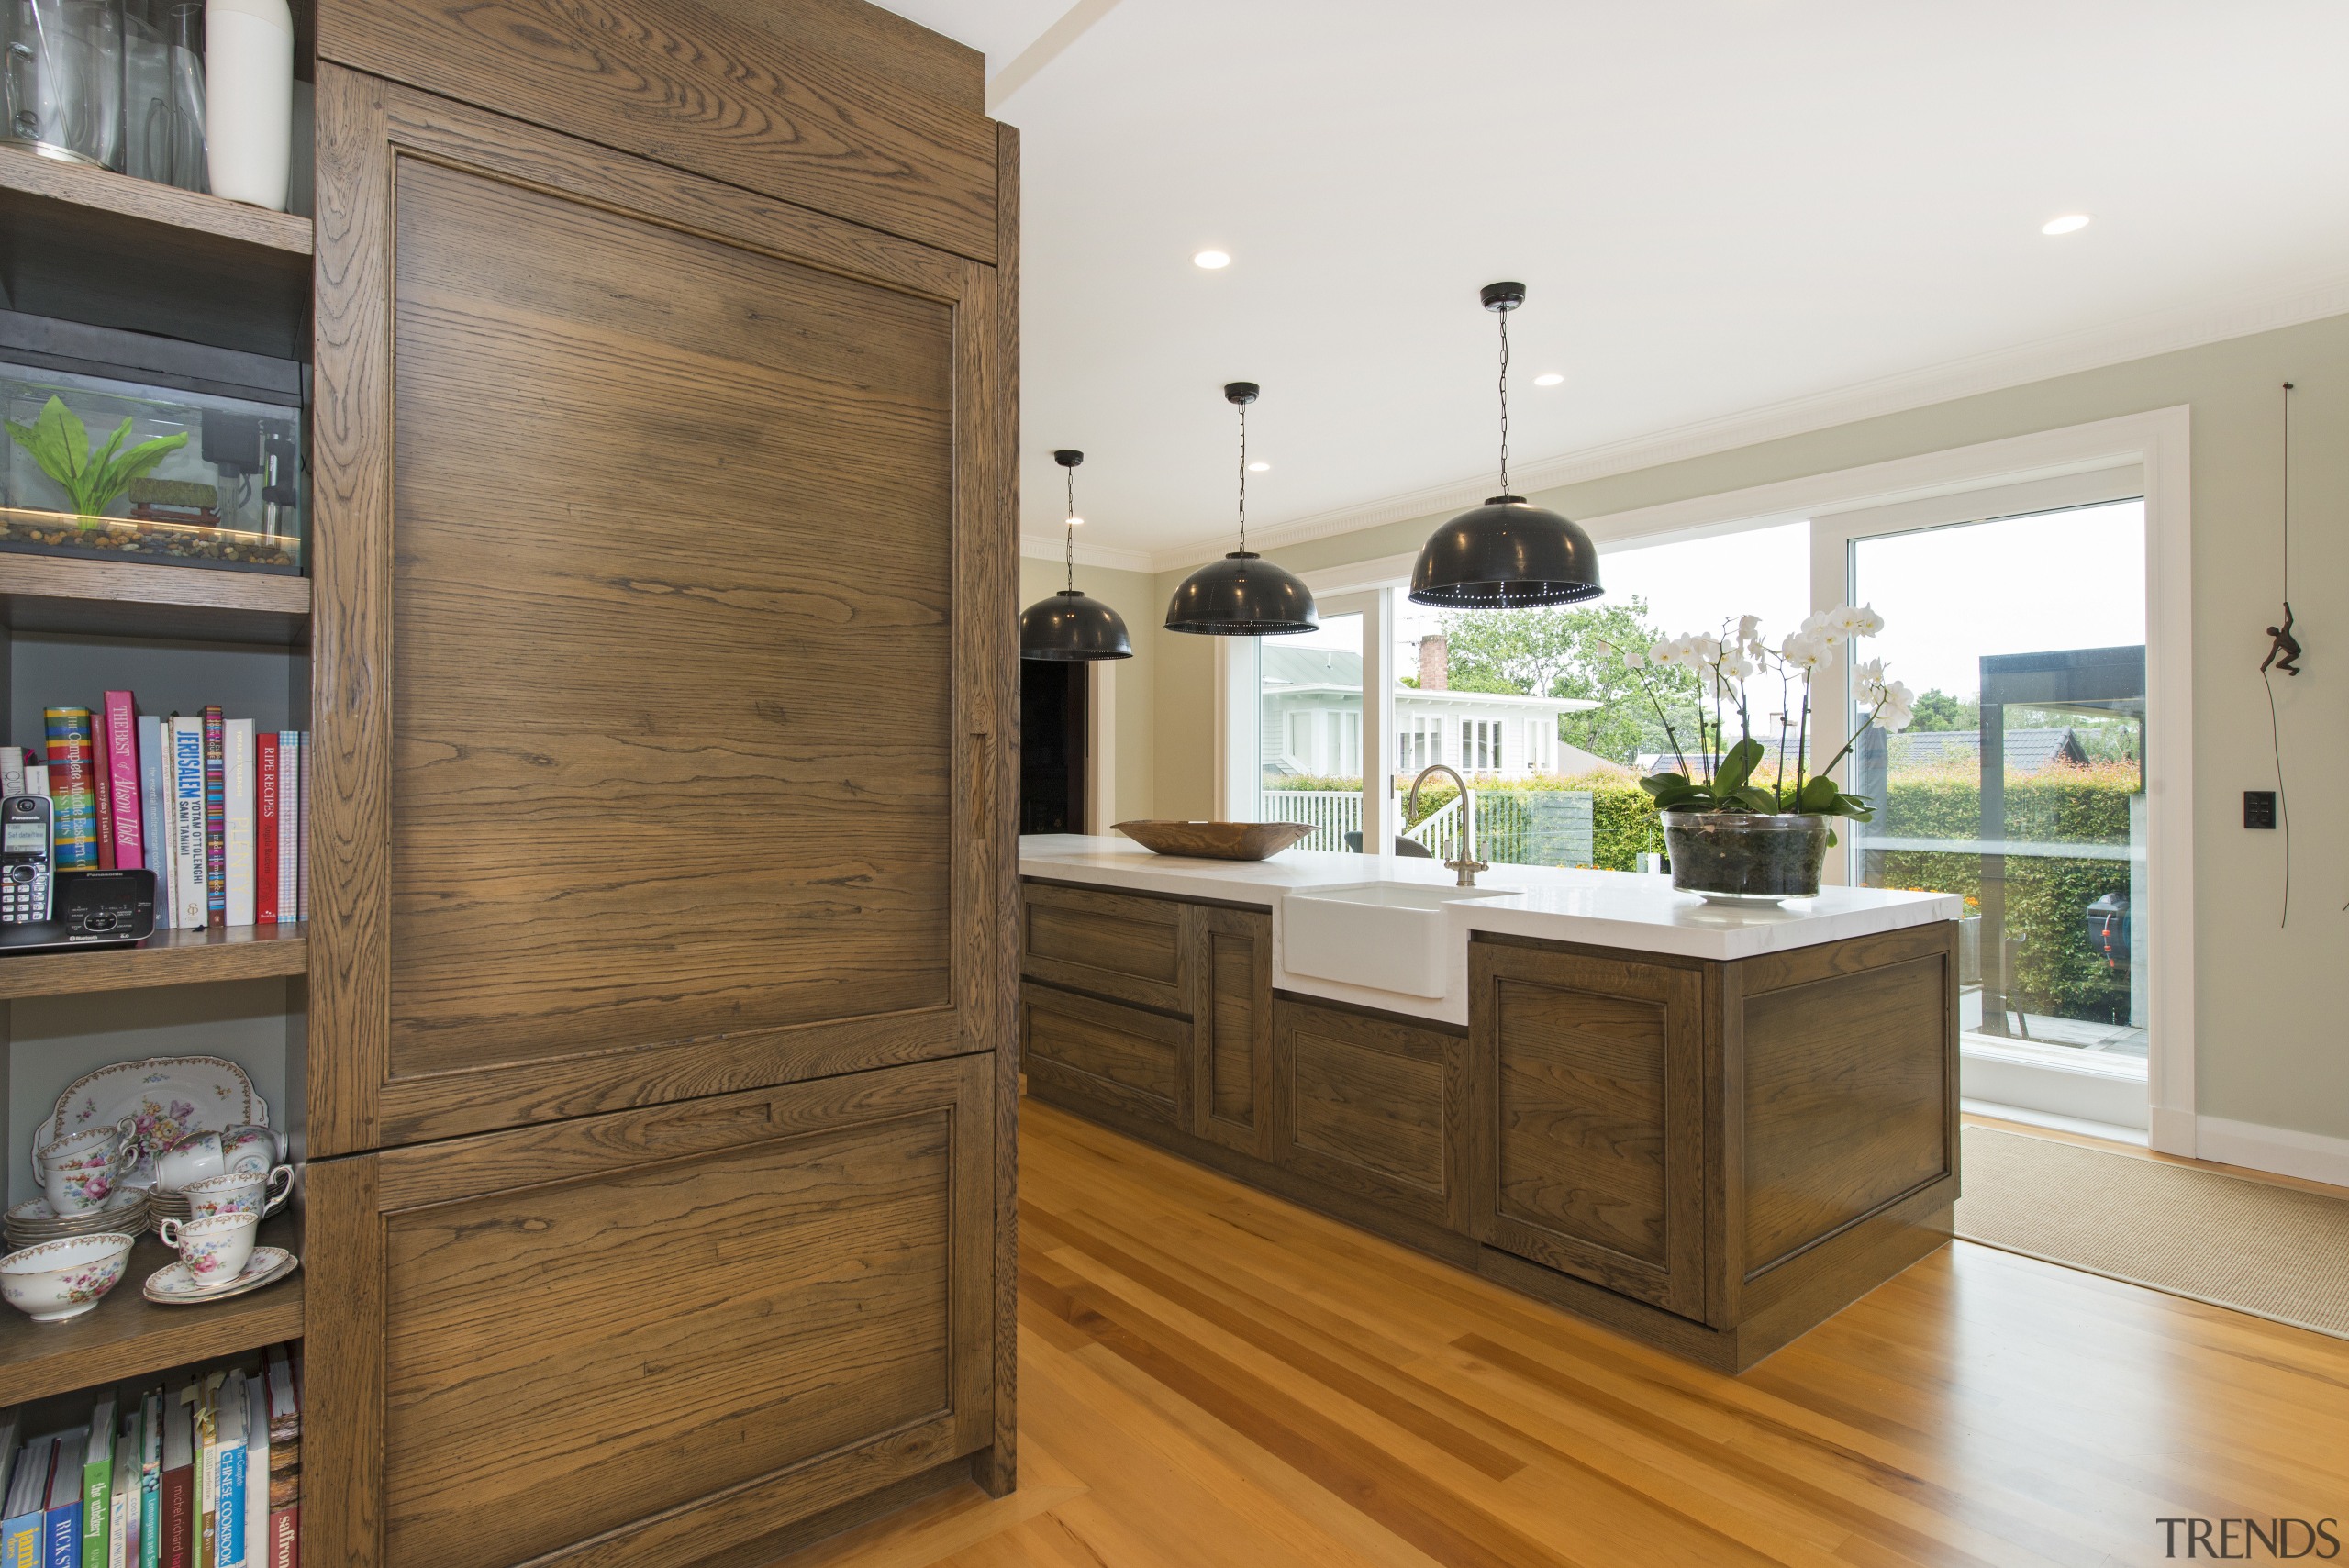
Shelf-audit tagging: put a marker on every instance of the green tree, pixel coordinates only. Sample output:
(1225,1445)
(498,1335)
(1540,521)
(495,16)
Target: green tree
(1939,711)
(1568,652)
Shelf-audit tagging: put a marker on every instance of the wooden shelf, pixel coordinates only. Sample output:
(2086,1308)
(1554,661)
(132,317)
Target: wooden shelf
(131,598)
(127,1336)
(83,244)
(168,958)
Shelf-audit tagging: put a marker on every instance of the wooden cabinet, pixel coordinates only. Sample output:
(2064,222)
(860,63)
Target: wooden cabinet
(661,991)
(654,1334)
(1232,1029)
(1127,1058)
(1117,945)
(1373,1105)
(1590,1148)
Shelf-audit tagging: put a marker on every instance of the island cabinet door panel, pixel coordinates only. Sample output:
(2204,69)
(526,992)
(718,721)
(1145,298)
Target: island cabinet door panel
(1590,1108)
(1232,1029)
(647,1337)
(1110,944)
(1123,1058)
(659,649)
(1369,1105)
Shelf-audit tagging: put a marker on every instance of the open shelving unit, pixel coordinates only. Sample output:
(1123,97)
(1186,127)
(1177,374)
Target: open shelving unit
(84,245)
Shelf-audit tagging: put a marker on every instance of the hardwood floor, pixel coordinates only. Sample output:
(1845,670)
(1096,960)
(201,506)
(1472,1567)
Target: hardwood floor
(1210,1376)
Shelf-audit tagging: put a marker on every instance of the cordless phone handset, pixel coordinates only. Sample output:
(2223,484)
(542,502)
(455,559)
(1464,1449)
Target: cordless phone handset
(27,845)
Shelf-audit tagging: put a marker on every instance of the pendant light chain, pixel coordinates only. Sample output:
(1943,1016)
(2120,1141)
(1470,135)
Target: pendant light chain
(1069,528)
(1504,316)
(1243,478)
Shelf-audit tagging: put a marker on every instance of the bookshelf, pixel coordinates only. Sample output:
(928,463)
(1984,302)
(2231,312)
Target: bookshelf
(84,245)
(127,1336)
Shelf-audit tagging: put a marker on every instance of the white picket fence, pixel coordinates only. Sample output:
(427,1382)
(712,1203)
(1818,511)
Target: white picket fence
(1551,828)
(1334,813)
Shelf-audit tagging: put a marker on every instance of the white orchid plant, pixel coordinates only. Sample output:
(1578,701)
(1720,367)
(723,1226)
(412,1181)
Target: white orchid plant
(1729,668)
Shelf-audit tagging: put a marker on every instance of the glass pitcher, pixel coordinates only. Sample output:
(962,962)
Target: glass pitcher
(63,88)
(162,91)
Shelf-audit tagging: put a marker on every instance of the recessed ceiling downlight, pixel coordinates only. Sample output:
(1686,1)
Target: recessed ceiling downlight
(2070,223)
(1211,260)
(1548,378)
(1259,468)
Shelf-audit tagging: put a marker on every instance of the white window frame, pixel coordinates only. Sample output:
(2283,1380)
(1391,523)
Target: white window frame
(2157,444)
(1239,768)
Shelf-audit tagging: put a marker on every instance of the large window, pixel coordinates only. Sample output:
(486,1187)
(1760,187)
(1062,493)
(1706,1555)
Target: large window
(1308,700)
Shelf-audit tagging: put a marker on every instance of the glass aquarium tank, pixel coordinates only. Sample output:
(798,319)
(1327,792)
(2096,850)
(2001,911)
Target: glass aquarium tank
(117,469)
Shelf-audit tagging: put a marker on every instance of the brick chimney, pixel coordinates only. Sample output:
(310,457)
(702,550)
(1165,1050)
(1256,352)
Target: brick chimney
(1435,665)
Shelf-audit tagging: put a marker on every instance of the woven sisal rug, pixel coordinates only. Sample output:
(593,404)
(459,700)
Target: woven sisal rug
(2278,1252)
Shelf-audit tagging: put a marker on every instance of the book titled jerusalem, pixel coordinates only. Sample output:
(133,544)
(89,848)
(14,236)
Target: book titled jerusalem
(72,788)
(215,818)
(186,809)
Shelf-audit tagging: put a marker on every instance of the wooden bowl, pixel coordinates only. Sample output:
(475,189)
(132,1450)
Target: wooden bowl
(1215,840)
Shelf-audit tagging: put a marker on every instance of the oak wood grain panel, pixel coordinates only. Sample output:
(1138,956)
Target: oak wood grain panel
(694,818)
(343,1359)
(1232,1029)
(179,957)
(350,624)
(685,85)
(1119,1056)
(1112,944)
(124,598)
(911,57)
(1592,1159)
(1845,1102)
(1362,1104)
(996,1470)
(782,1267)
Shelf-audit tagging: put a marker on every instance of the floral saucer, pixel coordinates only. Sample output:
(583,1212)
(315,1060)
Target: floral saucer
(37,1212)
(172,1284)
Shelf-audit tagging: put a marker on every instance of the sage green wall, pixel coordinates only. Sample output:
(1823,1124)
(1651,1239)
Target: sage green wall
(2271,1045)
(1133,595)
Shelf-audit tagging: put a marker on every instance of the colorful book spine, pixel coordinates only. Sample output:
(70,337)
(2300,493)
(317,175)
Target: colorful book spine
(37,778)
(12,770)
(101,795)
(155,839)
(237,751)
(24,1529)
(257,1442)
(216,819)
(176,1534)
(122,1497)
(73,786)
(150,1480)
(64,1531)
(187,818)
(97,1485)
(302,753)
(265,827)
(122,781)
(289,854)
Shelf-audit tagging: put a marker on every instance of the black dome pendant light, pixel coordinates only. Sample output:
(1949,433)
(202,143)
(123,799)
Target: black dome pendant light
(1071,627)
(1508,554)
(1243,594)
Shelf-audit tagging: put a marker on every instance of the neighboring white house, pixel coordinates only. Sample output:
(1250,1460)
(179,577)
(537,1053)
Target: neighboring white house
(1311,717)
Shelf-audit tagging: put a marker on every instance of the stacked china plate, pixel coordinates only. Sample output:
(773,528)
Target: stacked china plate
(31,1224)
(162,1206)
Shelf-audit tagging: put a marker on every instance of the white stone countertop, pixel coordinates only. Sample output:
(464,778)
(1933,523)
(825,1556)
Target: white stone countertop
(1603,909)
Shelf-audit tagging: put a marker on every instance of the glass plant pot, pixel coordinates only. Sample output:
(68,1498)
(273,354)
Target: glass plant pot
(229,495)
(1742,857)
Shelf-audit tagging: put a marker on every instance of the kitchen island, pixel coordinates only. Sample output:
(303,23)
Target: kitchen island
(1709,1127)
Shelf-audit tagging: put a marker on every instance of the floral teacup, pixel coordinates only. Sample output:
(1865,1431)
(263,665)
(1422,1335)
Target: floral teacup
(190,1160)
(78,1172)
(215,1250)
(58,1280)
(249,1147)
(239,1192)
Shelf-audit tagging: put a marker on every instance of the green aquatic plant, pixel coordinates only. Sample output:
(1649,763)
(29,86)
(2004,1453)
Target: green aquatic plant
(59,442)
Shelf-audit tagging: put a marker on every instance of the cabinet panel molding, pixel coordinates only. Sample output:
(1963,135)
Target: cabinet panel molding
(782,1265)
(683,85)
(1120,1056)
(630,826)
(1591,1094)
(1231,1050)
(1372,1104)
(1110,944)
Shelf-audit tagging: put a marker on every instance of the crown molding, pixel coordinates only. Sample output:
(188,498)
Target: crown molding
(1048,546)
(2136,337)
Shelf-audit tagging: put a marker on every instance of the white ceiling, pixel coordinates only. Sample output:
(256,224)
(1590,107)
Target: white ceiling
(1735,217)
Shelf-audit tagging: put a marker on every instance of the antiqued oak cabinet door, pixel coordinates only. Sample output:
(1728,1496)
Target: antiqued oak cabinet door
(649,1336)
(1231,1027)
(1589,1151)
(662,642)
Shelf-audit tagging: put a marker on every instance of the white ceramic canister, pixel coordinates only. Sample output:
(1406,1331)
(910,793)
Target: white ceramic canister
(249,99)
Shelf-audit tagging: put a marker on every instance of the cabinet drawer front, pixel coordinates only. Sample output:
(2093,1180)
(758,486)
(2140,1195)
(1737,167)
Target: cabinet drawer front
(1592,1137)
(1110,944)
(575,1329)
(1368,1105)
(1120,1057)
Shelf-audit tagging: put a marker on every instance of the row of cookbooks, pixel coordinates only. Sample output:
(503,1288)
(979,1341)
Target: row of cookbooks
(218,812)
(204,1472)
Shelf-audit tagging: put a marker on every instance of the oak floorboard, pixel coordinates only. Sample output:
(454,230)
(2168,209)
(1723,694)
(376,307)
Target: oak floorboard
(1211,1376)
